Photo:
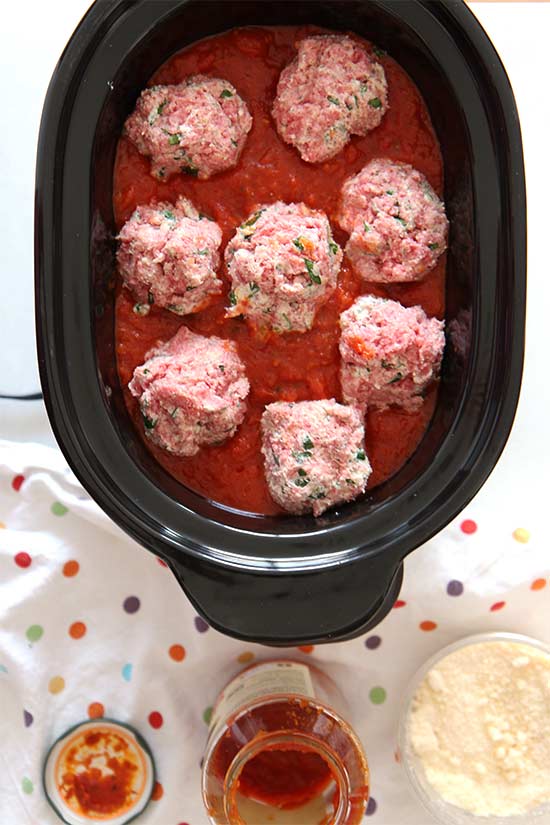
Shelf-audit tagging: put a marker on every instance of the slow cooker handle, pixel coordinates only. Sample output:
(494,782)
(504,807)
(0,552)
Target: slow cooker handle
(293,609)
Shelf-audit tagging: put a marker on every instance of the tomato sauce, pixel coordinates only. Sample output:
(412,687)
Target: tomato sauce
(290,367)
(285,778)
(100,791)
(282,776)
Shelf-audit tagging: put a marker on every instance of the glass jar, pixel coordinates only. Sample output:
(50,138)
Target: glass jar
(280,751)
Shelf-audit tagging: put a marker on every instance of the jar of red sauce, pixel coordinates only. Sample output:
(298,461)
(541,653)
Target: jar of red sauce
(280,751)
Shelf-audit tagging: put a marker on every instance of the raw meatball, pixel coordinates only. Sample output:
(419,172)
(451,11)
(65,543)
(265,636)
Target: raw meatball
(390,353)
(397,224)
(283,264)
(314,454)
(332,89)
(191,392)
(168,256)
(198,127)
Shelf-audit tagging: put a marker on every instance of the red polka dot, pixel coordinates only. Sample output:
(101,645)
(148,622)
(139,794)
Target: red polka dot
(497,606)
(306,648)
(22,560)
(96,710)
(71,568)
(397,756)
(428,626)
(538,584)
(155,720)
(158,792)
(399,603)
(161,562)
(16,482)
(468,526)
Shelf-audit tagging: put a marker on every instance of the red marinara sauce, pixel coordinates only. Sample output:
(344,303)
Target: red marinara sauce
(285,778)
(293,366)
(101,772)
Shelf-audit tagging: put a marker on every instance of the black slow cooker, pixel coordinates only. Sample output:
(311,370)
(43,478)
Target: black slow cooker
(282,580)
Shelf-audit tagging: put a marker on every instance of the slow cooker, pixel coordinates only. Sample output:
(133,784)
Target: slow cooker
(291,580)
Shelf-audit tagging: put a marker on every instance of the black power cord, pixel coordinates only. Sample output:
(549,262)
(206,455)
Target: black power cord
(37,396)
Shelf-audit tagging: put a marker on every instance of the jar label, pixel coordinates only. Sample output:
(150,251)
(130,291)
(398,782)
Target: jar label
(259,681)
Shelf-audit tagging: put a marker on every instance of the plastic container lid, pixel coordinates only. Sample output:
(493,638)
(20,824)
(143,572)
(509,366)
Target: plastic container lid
(442,811)
(80,768)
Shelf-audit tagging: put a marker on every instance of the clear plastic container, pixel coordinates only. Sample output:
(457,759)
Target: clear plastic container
(442,811)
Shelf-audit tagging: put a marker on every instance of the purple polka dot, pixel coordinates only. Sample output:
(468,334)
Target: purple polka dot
(201,625)
(28,718)
(455,588)
(131,604)
(373,642)
(372,805)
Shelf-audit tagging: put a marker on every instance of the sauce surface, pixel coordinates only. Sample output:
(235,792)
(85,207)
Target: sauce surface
(285,778)
(100,774)
(294,366)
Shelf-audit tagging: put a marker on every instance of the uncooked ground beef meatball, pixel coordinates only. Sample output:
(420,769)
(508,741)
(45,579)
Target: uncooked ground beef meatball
(314,454)
(198,127)
(168,256)
(283,264)
(191,392)
(333,89)
(397,224)
(390,353)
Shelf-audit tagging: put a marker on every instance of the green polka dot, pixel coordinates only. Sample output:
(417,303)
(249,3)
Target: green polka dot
(377,696)
(59,509)
(27,785)
(207,715)
(34,632)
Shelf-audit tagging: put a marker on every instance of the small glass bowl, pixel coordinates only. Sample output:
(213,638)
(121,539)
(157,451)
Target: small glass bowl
(442,811)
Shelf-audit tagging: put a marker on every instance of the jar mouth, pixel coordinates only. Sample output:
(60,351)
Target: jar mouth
(331,799)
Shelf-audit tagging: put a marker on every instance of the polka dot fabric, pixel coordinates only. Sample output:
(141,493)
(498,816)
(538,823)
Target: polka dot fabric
(93,626)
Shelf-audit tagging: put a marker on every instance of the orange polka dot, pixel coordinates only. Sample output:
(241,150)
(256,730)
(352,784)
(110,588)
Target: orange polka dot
(538,584)
(2,525)
(522,535)
(397,756)
(177,653)
(96,710)
(246,657)
(158,792)
(71,568)
(306,648)
(56,684)
(428,626)
(77,630)
(497,606)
